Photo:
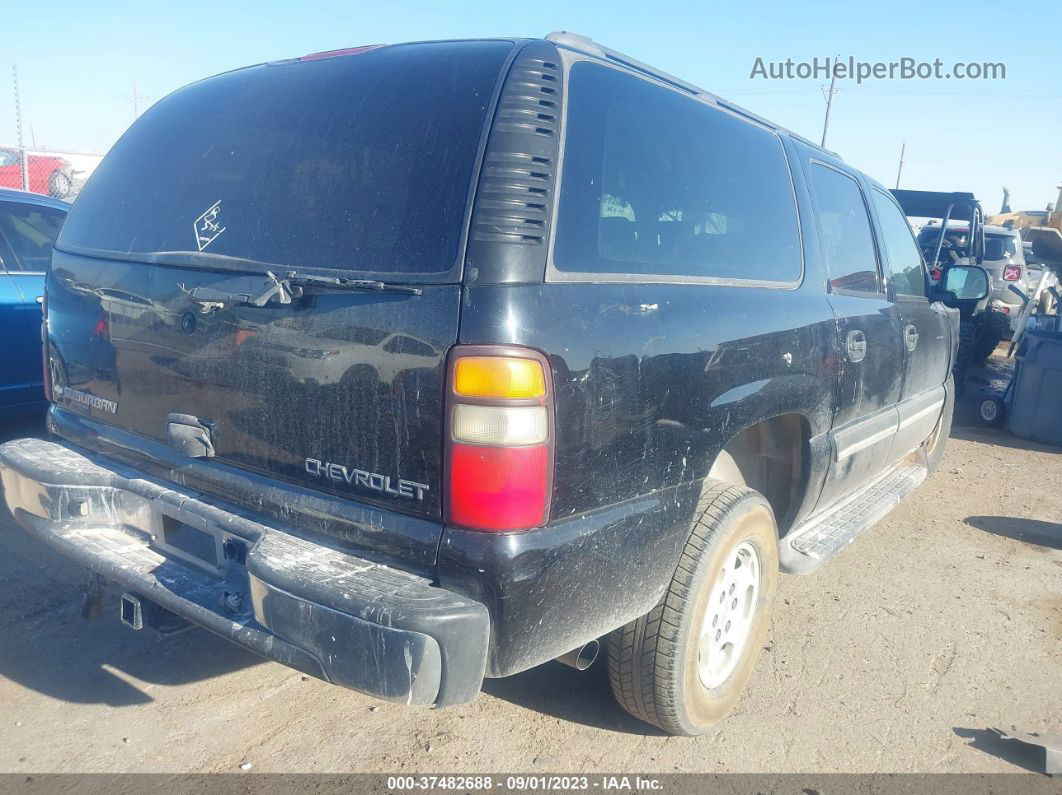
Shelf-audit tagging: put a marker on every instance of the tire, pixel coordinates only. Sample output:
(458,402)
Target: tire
(654,662)
(960,369)
(993,411)
(59,185)
(933,447)
(991,330)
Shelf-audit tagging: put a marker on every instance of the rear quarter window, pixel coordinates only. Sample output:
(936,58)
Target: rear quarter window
(358,163)
(657,184)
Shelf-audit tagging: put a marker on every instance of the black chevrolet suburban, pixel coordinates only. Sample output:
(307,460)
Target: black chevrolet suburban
(407,366)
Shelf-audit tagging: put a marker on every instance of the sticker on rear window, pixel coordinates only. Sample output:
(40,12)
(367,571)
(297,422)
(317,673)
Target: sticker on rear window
(207,226)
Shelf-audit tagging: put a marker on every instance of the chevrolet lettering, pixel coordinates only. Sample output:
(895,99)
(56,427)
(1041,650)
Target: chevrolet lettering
(370,480)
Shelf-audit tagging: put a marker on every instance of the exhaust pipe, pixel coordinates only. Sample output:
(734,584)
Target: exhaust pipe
(582,658)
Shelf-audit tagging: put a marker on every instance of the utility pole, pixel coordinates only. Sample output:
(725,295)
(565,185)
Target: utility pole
(135,98)
(899,171)
(829,100)
(18,128)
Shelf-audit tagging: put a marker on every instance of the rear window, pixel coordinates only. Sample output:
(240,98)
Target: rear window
(657,183)
(1001,246)
(358,163)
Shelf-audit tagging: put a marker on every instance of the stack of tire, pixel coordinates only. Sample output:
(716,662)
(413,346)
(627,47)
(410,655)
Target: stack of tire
(978,337)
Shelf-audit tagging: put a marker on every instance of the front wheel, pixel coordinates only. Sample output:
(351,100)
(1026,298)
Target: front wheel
(933,447)
(964,355)
(683,666)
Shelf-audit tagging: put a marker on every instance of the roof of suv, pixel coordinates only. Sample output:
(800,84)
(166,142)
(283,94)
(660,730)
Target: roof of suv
(587,46)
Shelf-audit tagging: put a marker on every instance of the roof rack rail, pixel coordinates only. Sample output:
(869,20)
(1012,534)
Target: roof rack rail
(584,44)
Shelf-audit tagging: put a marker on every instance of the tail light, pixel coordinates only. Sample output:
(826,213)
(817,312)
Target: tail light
(1012,273)
(499,438)
(44,347)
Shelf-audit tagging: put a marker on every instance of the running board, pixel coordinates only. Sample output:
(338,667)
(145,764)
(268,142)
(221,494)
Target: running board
(807,547)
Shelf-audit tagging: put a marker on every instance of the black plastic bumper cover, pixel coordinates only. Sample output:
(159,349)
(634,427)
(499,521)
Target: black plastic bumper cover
(350,621)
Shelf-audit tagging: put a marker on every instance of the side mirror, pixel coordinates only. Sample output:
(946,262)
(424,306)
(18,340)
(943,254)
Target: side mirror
(966,282)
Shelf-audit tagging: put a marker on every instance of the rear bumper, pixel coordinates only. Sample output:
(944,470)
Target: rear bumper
(347,620)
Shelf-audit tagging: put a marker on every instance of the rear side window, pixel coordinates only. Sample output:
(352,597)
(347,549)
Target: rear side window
(360,163)
(656,183)
(29,232)
(845,228)
(905,258)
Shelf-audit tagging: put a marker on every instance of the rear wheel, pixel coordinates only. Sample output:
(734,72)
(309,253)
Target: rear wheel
(683,666)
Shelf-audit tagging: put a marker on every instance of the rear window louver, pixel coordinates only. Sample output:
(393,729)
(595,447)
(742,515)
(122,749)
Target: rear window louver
(516,187)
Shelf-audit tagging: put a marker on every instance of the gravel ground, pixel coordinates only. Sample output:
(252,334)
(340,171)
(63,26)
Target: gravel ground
(899,655)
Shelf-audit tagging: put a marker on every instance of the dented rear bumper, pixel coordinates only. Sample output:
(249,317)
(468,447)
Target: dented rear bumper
(347,620)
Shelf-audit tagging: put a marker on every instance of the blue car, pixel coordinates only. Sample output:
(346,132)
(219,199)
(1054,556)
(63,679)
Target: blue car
(29,224)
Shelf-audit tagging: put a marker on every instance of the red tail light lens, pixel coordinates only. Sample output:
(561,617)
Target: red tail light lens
(1012,273)
(499,439)
(498,488)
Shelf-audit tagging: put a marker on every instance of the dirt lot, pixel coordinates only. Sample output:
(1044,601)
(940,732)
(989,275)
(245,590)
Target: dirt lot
(943,621)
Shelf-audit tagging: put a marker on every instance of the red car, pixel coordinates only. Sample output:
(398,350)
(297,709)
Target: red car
(48,174)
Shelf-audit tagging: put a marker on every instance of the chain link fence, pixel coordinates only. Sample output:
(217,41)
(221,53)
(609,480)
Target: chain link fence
(60,175)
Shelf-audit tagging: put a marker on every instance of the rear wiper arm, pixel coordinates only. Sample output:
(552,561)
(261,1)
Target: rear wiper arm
(295,279)
(285,290)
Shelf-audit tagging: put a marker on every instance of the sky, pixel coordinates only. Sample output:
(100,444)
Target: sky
(77,62)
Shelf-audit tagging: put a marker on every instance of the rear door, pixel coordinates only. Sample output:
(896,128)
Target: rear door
(164,300)
(927,340)
(868,325)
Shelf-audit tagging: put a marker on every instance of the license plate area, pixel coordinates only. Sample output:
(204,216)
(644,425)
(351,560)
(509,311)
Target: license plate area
(192,540)
(190,543)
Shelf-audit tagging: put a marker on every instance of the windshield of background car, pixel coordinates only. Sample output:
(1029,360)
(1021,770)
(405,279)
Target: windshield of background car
(354,162)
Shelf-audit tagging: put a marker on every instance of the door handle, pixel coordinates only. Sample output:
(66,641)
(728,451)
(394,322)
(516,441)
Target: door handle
(910,337)
(40,299)
(857,346)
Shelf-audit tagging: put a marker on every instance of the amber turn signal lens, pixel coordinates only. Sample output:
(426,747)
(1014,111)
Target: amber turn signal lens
(499,377)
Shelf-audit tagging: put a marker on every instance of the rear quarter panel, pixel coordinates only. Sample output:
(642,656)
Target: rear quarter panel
(651,382)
